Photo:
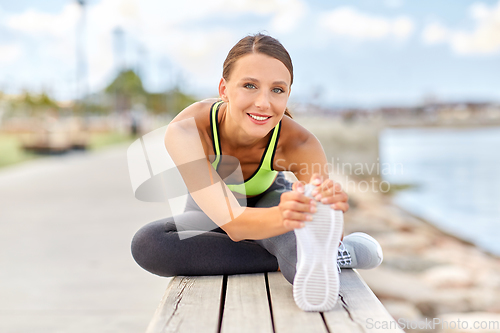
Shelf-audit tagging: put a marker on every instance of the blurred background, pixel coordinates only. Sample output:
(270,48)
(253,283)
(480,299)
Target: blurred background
(403,95)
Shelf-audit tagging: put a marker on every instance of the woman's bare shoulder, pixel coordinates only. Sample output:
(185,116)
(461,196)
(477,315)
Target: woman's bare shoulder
(293,134)
(192,122)
(199,111)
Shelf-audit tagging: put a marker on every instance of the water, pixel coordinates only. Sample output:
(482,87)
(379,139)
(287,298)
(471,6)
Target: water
(457,178)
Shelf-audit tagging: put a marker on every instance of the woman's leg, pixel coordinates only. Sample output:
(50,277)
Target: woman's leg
(283,247)
(161,249)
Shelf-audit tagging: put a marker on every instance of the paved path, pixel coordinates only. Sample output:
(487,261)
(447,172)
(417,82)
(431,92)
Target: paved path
(65,264)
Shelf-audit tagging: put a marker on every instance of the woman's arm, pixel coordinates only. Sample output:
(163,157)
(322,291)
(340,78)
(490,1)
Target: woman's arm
(190,154)
(307,160)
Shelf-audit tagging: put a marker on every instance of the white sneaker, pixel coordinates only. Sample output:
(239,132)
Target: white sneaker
(359,250)
(316,282)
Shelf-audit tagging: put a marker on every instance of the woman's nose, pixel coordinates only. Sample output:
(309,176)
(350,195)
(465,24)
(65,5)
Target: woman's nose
(262,101)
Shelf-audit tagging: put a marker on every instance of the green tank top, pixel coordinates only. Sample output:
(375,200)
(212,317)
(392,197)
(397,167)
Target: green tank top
(264,176)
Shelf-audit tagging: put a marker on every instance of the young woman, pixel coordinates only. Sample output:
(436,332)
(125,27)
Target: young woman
(231,152)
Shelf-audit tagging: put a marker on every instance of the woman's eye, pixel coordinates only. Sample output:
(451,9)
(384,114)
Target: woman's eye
(249,86)
(278,90)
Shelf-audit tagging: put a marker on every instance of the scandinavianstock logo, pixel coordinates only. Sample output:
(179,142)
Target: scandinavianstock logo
(155,177)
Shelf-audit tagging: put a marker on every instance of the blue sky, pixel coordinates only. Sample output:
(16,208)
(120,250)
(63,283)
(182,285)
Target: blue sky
(345,53)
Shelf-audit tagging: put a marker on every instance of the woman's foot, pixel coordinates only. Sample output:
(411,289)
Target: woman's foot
(316,282)
(359,250)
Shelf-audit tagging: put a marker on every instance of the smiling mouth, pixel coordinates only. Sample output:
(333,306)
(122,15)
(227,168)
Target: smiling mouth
(259,118)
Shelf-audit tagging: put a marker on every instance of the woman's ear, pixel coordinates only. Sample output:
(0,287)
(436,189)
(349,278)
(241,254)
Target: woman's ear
(222,90)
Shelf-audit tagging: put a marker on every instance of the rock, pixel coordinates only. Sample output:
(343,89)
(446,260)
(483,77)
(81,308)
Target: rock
(484,299)
(393,285)
(445,301)
(459,254)
(425,271)
(396,285)
(488,277)
(448,276)
(407,263)
(460,300)
(401,310)
(369,225)
(404,242)
(473,322)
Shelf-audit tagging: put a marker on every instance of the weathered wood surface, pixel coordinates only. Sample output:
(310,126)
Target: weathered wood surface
(249,303)
(190,304)
(360,304)
(288,317)
(247,306)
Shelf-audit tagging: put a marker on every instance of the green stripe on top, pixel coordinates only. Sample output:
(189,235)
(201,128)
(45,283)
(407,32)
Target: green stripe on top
(215,135)
(268,159)
(265,175)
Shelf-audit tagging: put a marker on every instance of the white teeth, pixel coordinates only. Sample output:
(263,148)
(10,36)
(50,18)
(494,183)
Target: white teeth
(257,117)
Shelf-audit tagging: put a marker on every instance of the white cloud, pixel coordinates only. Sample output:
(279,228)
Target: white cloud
(393,3)
(479,11)
(435,33)
(9,53)
(288,15)
(37,23)
(402,27)
(165,29)
(483,39)
(349,22)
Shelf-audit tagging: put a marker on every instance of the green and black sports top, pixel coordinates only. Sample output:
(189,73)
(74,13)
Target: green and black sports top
(264,176)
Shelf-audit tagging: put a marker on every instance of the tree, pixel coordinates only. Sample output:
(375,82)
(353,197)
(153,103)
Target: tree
(128,89)
(173,101)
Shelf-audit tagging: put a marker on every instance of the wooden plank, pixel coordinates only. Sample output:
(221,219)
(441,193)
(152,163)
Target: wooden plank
(361,305)
(288,317)
(246,308)
(338,320)
(190,304)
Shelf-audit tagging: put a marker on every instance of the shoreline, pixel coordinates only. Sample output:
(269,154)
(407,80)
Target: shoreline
(426,273)
(438,229)
(402,122)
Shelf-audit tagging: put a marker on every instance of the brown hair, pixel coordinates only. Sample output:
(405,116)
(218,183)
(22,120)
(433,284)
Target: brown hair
(258,43)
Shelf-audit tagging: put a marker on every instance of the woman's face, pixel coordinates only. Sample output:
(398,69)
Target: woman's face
(257,93)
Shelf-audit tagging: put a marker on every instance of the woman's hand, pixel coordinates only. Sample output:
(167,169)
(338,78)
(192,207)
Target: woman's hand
(296,208)
(330,193)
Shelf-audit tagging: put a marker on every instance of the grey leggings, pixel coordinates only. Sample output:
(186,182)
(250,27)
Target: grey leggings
(158,248)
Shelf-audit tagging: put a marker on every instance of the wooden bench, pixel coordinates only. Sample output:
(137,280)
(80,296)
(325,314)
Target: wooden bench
(263,303)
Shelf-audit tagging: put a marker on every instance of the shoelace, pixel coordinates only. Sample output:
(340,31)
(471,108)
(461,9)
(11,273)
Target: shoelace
(343,256)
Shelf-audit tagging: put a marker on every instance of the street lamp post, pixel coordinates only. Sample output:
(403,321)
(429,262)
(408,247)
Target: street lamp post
(81,59)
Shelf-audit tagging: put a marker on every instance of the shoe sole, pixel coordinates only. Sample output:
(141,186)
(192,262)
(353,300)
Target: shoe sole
(316,283)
